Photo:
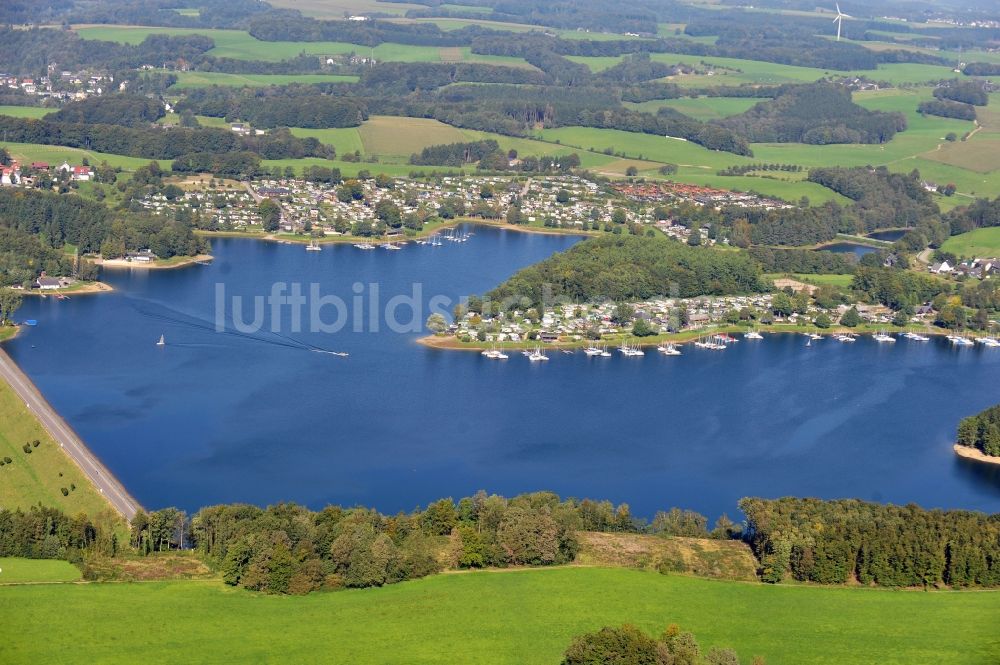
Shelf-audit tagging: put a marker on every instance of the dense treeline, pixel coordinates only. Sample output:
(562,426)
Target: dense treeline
(23,256)
(155,142)
(628,268)
(290,26)
(835,542)
(979,214)
(948,109)
(49,533)
(882,199)
(455,154)
(820,113)
(792,226)
(29,52)
(405,77)
(803,261)
(901,290)
(982,69)
(966,92)
(284,106)
(982,431)
(119,109)
(54,220)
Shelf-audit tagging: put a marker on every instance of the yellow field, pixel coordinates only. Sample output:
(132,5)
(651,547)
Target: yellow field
(980,155)
(392,136)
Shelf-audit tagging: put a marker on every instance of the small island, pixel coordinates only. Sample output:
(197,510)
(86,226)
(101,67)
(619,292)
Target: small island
(979,436)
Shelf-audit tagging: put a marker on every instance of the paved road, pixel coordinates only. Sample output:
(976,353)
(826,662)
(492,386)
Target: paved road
(72,445)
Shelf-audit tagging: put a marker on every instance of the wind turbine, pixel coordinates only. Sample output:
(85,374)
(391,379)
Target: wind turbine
(840,20)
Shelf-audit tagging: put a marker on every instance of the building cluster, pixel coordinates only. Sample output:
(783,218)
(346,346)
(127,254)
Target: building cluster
(60,85)
(15,175)
(978,268)
(229,210)
(676,192)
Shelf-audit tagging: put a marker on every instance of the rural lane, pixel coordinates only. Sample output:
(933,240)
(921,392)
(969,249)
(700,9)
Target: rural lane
(72,445)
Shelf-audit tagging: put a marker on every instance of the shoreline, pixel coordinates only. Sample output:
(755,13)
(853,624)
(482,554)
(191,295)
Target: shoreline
(156,265)
(975,454)
(90,288)
(452,343)
(419,235)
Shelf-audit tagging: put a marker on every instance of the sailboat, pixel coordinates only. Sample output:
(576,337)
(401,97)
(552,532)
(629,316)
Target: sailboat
(161,341)
(537,355)
(313,247)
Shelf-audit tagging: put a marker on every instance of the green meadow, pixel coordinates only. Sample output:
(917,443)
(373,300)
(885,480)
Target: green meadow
(241,45)
(519,617)
(984,243)
(56,154)
(204,79)
(25,111)
(32,571)
(700,108)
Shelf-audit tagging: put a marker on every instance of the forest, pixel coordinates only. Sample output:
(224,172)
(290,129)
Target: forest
(820,113)
(36,224)
(982,431)
(155,142)
(628,268)
(846,541)
(948,109)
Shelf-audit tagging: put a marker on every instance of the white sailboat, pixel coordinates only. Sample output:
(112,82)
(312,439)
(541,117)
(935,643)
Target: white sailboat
(752,334)
(883,338)
(313,247)
(668,350)
(537,355)
(161,341)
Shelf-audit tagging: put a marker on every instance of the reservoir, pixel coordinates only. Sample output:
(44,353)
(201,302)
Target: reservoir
(848,248)
(216,417)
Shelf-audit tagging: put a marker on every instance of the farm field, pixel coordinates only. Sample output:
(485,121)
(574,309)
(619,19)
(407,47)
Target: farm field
(32,571)
(242,46)
(56,154)
(979,242)
(335,9)
(700,108)
(734,71)
(522,617)
(204,79)
(37,477)
(842,281)
(25,111)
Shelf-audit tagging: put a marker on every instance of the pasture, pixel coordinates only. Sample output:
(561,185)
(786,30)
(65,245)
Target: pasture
(517,616)
(241,45)
(700,108)
(25,111)
(15,570)
(192,79)
(56,154)
(983,243)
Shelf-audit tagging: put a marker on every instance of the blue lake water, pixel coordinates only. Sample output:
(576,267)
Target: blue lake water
(849,248)
(219,417)
(890,236)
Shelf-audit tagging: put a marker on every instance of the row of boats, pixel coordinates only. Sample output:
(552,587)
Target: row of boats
(721,341)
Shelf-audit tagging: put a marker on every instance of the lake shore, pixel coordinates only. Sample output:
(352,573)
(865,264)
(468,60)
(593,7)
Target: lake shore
(87,288)
(165,264)
(975,454)
(452,343)
(419,235)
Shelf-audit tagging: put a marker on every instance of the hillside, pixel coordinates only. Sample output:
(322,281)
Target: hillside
(817,114)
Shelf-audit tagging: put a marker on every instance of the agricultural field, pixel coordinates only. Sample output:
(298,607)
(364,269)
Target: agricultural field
(34,571)
(517,616)
(242,46)
(841,281)
(335,9)
(700,108)
(187,80)
(979,242)
(56,154)
(38,476)
(25,111)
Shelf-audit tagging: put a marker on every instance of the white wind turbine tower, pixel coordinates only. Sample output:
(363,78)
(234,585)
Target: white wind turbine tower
(840,20)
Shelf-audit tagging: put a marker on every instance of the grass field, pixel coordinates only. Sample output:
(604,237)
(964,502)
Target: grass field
(242,46)
(983,243)
(204,79)
(25,111)
(702,108)
(31,571)
(517,617)
(56,154)
(39,476)
(843,281)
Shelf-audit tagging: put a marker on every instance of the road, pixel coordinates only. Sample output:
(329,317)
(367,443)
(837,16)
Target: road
(72,445)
